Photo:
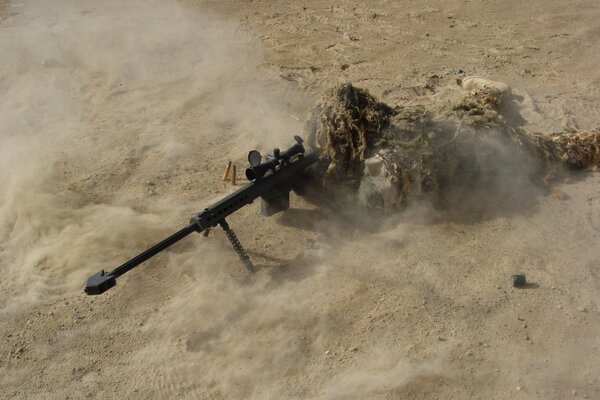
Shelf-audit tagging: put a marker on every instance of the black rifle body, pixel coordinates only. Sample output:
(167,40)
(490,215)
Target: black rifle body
(276,185)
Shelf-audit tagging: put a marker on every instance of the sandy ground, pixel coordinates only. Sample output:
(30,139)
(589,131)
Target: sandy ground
(117,119)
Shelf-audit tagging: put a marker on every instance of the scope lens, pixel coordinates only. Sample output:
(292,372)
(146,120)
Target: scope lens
(250,174)
(254,158)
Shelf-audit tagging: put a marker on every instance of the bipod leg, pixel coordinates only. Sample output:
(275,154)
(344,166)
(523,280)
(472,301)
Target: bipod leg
(237,246)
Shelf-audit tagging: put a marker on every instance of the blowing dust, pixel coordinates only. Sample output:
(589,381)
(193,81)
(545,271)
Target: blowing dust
(112,121)
(116,122)
(99,100)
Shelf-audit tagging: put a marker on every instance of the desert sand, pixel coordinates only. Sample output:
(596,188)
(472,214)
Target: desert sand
(117,120)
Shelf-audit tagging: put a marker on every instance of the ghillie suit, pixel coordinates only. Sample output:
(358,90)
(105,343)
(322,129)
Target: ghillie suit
(391,156)
(344,127)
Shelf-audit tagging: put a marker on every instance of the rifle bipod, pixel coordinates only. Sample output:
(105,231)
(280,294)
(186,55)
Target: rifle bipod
(237,246)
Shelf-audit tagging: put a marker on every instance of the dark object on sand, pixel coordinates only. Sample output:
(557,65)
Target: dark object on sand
(272,181)
(519,280)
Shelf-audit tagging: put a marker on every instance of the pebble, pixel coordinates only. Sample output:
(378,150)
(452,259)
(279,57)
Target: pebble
(327,352)
(519,388)
(526,337)
(354,349)
(351,37)
(574,392)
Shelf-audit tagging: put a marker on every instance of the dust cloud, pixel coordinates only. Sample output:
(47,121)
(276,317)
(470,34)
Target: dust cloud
(115,121)
(98,98)
(104,106)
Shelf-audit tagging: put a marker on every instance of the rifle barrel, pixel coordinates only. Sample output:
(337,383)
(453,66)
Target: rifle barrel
(152,251)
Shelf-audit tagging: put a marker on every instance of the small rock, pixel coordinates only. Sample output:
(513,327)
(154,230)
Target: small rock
(559,307)
(519,388)
(526,337)
(351,37)
(344,67)
(459,71)
(469,353)
(524,326)
(354,349)
(582,309)
(573,392)
(327,352)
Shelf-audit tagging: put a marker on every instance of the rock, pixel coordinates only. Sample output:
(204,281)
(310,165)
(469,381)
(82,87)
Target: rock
(478,83)
(519,388)
(327,352)
(526,337)
(351,37)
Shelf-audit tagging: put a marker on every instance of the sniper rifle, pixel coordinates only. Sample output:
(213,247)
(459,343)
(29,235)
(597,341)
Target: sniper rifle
(271,180)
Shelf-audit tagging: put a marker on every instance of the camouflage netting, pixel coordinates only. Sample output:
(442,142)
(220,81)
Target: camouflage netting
(576,149)
(390,156)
